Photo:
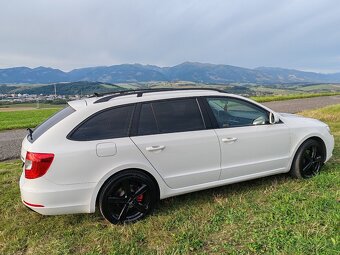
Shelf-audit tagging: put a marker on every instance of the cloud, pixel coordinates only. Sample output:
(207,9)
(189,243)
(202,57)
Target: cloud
(68,34)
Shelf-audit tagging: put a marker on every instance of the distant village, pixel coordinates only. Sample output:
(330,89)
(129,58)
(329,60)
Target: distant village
(32,98)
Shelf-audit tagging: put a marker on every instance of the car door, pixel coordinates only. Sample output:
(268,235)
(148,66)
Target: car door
(173,136)
(250,146)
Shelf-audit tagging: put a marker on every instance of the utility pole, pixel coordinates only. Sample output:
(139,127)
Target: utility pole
(38,106)
(55,90)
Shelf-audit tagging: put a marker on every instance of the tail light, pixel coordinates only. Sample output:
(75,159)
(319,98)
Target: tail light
(37,164)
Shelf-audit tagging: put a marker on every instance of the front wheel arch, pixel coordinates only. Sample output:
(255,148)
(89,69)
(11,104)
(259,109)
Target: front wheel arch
(323,145)
(293,168)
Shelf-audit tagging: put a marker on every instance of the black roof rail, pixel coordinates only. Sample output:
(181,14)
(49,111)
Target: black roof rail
(140,92)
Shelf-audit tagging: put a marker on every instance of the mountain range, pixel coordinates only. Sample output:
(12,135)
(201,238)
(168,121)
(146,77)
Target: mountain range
(187,71)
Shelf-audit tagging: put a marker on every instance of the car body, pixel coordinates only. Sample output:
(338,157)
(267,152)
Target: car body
(209,143)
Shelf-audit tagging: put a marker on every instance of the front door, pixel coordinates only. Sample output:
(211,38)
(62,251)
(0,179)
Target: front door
(250,146)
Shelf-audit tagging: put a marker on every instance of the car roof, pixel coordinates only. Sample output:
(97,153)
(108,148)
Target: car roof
(113,99)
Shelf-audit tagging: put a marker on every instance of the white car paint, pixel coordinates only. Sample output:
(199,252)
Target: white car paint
(265,148)
(186,160)
(183,162)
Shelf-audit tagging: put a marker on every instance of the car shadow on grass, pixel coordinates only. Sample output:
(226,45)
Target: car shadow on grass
(209,195)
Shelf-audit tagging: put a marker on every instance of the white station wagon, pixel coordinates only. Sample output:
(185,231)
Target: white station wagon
(122,152)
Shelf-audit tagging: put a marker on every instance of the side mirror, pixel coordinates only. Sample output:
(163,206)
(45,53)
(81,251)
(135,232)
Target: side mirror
(273,118)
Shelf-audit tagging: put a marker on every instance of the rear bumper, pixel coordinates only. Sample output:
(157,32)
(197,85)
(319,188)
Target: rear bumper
(48,198)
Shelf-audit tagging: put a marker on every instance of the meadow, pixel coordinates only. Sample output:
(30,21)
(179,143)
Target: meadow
(19,118)
(273,215)
(262,99)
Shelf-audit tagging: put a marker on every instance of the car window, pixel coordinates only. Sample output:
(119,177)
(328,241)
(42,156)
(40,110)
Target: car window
(147,122)
(50,122)
(231,112)
(178,115)
(112,123)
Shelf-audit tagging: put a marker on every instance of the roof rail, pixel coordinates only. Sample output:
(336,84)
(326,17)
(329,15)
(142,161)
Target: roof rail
(140,92)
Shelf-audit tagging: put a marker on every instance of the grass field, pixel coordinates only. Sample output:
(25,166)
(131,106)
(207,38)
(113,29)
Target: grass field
(320,87)
(262,99)
(24,119)
(273,215)
(29,105)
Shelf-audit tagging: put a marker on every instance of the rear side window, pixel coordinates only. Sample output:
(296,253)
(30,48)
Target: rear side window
(112,123)
(147,122)
(178,115)
(42,128)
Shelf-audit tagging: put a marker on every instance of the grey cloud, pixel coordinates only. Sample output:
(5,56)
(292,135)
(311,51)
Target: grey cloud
(68,34)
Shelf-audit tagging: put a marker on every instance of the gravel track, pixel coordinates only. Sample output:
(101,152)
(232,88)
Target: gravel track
(298,105)
(10,141)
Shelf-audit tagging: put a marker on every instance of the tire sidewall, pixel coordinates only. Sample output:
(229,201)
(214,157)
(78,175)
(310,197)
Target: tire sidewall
(296,170)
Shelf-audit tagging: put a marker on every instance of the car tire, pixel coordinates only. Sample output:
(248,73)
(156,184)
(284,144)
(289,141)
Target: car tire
(308,160)
(127,197)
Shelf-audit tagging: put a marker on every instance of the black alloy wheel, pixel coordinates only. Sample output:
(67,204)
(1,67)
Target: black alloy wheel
(308,160)
(127,197)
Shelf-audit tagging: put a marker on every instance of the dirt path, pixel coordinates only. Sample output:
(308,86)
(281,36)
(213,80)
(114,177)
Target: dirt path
(298,105)
(10,141)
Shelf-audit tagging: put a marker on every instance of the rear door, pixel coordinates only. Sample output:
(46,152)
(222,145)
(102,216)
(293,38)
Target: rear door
(173,136)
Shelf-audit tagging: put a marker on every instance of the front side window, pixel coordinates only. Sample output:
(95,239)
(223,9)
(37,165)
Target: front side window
(177,115)
(231,112)
(112,123)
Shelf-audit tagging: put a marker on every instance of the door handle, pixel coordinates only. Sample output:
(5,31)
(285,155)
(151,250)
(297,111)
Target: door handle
(229,139)
(155,148)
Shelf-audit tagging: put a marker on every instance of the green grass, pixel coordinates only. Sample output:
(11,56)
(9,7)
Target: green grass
(262,99)
(273,215)
(24,119)
(33,105)
(320,87)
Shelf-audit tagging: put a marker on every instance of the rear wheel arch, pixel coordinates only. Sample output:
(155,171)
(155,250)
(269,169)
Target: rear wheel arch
(129,170)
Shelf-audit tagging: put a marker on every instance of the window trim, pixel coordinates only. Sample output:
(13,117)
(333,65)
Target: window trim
(203,113)
(69,135)
(214,120)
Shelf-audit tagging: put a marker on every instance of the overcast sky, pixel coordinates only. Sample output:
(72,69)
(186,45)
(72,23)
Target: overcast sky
(67,34)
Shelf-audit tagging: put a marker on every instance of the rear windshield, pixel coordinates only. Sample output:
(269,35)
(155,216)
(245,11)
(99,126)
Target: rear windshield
(42,128)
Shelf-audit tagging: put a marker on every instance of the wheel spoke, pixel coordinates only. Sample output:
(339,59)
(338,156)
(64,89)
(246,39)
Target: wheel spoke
(313,153)
(117,200)
(307,166)
(123,212)
(140,191)
(318,159)
(140,207)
